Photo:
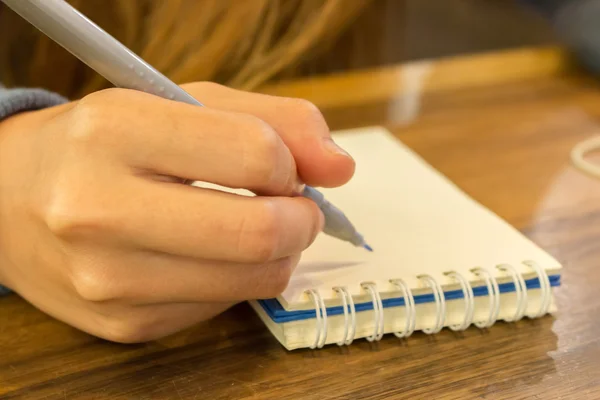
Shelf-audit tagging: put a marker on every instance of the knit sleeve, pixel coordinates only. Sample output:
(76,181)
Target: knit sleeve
(14,101)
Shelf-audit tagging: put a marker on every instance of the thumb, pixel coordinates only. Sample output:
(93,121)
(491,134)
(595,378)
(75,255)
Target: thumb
(301,126)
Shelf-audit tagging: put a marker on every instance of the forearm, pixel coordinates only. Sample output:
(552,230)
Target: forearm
(14,101)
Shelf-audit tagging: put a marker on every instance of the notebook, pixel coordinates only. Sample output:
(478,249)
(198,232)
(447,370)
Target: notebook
(441,260)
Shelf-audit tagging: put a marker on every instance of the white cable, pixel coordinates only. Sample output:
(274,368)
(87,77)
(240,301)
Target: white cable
(579,152)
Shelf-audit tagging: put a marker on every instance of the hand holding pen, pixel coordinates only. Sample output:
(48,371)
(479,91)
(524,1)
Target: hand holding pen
(111,242)
(108,57)
(95,187)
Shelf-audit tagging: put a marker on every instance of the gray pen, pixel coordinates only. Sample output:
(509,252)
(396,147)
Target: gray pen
(119,65)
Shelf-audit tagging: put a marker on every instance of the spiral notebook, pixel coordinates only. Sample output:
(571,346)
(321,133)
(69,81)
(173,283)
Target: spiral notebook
(440,260)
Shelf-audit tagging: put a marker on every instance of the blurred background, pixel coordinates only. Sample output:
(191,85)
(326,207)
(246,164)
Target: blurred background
(395,31)
(251,43)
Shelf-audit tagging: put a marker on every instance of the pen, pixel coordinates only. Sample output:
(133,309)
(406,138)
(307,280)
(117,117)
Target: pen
(119,65)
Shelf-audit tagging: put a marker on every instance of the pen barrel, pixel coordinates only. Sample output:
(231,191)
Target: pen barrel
(336,223)
(96,48)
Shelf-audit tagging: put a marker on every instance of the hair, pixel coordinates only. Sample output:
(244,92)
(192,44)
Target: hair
(242,44)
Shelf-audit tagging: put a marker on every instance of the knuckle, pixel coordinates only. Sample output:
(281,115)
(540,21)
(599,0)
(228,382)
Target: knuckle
(268,235)
(89,116)
(85,120)
(67,215)
(91,285)
(204,86)
(275,278)
(260,235)
(261,152)
(127,331)
(307,111)
(63,220)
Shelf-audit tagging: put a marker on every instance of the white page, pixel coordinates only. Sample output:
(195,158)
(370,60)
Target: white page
(416,220)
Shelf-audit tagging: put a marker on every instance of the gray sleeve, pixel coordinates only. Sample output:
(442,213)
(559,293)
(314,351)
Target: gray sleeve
(14,101)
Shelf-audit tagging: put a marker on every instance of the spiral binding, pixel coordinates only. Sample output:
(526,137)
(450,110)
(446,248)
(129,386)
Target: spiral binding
(377,312)
(544,286)
(469,301)
(493,295)
(348,304)
(409,304)
(520,290)
(321,319)
(491,284)
(440,304)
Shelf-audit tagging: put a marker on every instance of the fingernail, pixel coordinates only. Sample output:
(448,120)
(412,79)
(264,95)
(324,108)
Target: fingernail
(299,189)
(332,147)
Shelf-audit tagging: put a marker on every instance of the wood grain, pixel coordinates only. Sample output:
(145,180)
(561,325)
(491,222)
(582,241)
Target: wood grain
(506,142)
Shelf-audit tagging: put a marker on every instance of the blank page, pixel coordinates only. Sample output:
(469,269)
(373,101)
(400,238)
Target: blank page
(417,222)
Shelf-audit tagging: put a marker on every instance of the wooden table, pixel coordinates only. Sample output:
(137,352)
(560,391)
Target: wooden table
(504,136)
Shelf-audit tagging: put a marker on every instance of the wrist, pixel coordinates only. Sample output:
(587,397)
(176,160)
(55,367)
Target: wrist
(13,102)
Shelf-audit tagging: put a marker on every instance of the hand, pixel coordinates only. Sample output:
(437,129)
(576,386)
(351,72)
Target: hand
(97,229)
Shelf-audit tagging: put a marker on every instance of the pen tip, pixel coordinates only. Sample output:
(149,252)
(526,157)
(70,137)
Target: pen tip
(366,246)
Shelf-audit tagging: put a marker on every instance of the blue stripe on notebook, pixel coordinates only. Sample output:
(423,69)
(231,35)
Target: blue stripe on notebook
(278,314)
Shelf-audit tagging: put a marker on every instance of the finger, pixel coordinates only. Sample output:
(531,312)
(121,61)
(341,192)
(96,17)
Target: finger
(300,124)
(145,278)
(147,323)
(210,224)
(157,322)
(163,137)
